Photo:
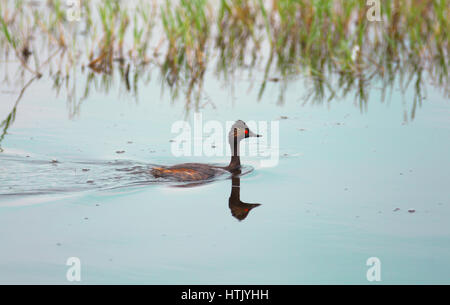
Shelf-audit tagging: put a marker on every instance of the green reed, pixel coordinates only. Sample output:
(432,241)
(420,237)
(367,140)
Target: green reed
(330,45)
(187,31)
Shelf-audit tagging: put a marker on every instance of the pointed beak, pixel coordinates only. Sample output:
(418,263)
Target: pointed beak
(252,134)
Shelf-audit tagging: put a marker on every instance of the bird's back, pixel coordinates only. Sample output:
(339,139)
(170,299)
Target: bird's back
(188,172)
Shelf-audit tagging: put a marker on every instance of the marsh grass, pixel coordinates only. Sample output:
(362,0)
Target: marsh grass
(187,31)
(329,45)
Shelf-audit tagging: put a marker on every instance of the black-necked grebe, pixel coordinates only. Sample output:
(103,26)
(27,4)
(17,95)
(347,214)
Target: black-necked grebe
(199,171)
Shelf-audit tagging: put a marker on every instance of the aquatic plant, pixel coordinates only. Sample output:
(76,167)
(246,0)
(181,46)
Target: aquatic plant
(330,45)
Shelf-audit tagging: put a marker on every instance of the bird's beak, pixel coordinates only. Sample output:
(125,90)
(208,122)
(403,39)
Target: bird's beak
(252,134)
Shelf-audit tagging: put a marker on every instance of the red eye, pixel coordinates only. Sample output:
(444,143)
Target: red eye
(246,131)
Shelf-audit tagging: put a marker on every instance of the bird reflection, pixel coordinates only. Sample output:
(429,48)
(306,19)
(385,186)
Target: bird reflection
(239,209)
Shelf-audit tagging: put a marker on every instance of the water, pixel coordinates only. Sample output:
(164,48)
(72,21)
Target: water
(325,208)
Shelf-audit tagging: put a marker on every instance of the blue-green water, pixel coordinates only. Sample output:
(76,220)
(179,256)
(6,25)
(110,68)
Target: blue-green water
(325,208)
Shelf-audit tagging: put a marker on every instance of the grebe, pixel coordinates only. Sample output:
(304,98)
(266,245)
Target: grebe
(199,171)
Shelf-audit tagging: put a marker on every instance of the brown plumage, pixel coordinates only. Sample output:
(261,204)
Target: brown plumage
(188,172)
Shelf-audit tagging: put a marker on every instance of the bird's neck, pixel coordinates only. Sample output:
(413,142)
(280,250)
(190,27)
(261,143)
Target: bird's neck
(235,163)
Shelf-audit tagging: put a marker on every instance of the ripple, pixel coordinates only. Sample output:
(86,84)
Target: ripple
(28,176)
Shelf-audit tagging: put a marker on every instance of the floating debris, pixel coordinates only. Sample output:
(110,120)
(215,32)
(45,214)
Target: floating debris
(396,209)
(411,211)
(120,151)
(90,181)
(283,117)
(85,169)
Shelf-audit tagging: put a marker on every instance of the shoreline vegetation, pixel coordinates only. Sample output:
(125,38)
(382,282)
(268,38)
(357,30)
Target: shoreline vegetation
(330,45)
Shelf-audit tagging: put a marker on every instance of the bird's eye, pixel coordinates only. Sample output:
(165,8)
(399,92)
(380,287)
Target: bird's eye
(246,131)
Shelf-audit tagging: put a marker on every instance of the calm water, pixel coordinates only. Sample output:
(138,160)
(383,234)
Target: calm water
(325,209)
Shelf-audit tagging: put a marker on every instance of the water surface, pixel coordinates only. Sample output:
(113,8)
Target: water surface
(364,157)
(327,207)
